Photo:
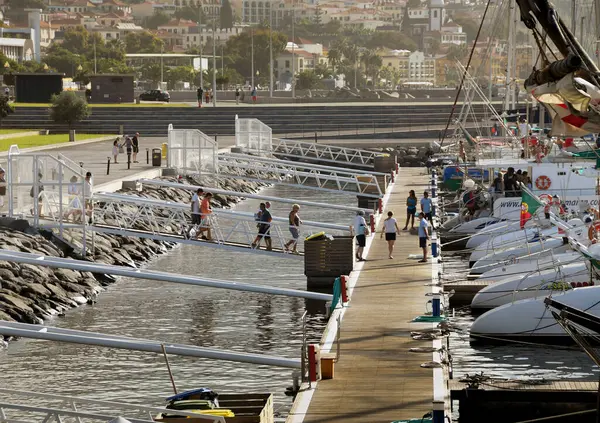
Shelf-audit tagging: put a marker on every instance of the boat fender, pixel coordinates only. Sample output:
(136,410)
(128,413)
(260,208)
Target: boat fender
(594,230)
(313,236)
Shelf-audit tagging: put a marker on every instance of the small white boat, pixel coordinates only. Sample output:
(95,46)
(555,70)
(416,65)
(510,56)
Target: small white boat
(530,320)
(475,225)
(533,284)
(529,265)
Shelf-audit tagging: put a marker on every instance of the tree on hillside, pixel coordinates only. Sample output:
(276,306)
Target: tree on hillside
(190,13)
(5,108)
(391,40)
(68,108)
(469,27)
(226,15)
(156,20)
(457,53)
(25,4)
(142,42)
(413,3)
(239,49)
(307,80)
(372,62)
(62,60)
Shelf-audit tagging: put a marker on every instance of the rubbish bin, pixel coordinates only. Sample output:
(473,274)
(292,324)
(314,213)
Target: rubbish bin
(156,157)
(164,150)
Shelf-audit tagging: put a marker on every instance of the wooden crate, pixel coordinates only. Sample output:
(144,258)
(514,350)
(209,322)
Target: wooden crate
(324,258)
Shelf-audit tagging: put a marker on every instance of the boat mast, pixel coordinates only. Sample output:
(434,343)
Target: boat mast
(597,15)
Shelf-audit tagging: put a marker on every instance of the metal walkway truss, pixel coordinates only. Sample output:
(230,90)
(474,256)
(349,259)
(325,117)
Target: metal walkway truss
(303,175)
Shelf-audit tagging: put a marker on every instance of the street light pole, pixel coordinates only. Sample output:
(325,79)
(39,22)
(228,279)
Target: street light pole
(293,54)
(214,76)
(161,65)
(95,62)
(271,50)
(201,35)
(252,58)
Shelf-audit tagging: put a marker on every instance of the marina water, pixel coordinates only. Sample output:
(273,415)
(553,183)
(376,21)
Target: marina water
(206,317)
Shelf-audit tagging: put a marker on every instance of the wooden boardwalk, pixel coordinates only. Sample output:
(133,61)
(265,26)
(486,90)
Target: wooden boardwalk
(377,379)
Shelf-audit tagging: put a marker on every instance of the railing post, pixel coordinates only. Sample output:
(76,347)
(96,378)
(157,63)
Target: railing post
(108,166)
(147,156)
(438,412)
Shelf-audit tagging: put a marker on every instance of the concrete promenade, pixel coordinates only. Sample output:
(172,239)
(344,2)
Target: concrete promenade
(376,378)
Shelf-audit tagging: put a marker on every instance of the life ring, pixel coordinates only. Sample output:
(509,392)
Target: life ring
(594,230)
(546,197)
(543,182)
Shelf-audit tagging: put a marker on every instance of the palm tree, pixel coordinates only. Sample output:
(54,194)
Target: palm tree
(372,62)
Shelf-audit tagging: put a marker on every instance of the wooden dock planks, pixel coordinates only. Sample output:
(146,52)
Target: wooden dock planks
(377,379)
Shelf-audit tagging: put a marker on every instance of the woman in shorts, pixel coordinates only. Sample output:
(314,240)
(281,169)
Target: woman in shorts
(294,226)
(411,209)
(390,229)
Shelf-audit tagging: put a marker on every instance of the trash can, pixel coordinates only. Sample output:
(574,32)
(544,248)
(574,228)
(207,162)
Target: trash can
(156,157)
(164,150)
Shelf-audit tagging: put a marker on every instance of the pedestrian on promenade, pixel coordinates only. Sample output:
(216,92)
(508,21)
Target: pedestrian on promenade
(75,206)
(411,209)
(390,228)
(88,189)
(205,212)
(115,149)
(135,142)
(207,96)
(128,144)
(294,222)
(426,207)
(423,236)
(195,206)
(253,94)
(360,230)
(237,95)
(2,187)
(39,196)
(199,94)
(264,228)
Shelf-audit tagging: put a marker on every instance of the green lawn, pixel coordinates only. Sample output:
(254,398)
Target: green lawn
(40,140)
(142,105)
(14,131)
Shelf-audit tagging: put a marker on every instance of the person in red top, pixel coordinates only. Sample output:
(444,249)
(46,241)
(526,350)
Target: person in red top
(205,212)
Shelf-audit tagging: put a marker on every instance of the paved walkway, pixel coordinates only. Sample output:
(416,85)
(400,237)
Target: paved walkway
(377,379)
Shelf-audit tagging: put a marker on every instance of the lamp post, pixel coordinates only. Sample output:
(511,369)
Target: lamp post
(271,50)
(200,39)
(293,55)
(214,78)
(162,47)
(252,58)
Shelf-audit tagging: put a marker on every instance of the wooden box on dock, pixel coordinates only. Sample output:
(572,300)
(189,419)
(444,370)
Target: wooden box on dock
(329,258)
(384,163)
(248,408)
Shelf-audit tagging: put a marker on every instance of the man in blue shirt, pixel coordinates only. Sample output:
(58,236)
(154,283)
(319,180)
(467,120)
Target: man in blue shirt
(423,236)
(426,207)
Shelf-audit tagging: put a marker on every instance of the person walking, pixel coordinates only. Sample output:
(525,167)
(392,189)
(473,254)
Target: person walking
(205,212)
(423,235)
(2,187)
(195,209)
(360,230)
(207,96)
(253,94)
(199,94)
(264,228)
(294,222)
(128,144)
(426,207)
(237,95)
(88,189)
(411,209)
(115,149)
(390,228)
(135,143)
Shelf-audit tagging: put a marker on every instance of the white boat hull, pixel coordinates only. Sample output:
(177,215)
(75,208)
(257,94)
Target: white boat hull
(529,265)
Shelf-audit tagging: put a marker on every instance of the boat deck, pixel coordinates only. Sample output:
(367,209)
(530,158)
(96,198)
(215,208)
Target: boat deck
(376,378)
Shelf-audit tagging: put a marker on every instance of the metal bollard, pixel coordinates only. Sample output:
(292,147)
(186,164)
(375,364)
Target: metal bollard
(216,138)
(433,192)
(380,205)
(438,412)
(108,166)
(435,305)
(316,139)
(392,174)
(128,161)
(397,168)
(147,156)
(372,222)
(434,245)
(344,288)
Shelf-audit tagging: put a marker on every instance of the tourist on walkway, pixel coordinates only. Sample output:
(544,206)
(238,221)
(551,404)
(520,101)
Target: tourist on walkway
(294,222)
(115,149)
(426,207)
(2,187)
(253,94)
(205,212)
(207,96)
(88,188)
(360,230)
(135,142)
(195,206)
(40,187)
(390,228)
(128,144)
(411,209)
(423,236)
(264,228)
(75,206)
(199,94)
(237,95)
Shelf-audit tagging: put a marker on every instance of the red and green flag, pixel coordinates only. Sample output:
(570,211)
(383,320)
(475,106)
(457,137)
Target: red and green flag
(529,205)
(468,136)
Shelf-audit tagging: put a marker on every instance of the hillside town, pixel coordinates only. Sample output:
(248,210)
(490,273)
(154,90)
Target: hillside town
(375,44)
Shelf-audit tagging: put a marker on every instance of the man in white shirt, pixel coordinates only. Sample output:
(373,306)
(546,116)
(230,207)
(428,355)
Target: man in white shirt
(196,206)
(426,207)
(88,187)
(359,229)
(524,129)
(423,236)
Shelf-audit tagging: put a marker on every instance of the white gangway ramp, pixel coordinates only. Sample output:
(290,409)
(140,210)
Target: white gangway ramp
(254,137)
(301,175)
(251,135)
(131,215)
(190,151)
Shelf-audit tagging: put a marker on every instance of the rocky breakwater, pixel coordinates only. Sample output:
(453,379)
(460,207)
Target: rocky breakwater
(411,156)
(31,294)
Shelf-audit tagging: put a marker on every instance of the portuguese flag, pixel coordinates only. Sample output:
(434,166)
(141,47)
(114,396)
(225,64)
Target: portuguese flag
(529,204)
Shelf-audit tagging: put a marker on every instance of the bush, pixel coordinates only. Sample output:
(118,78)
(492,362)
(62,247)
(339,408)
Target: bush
(68,108)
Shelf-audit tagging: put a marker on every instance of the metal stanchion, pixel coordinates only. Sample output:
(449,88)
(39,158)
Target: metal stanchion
(147,156)
(108,166)
(128,161)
